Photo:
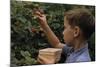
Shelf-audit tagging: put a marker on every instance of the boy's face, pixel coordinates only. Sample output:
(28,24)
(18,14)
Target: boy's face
(68,33)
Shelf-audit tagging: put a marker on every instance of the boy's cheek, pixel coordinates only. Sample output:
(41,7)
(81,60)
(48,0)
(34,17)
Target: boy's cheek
(68,37)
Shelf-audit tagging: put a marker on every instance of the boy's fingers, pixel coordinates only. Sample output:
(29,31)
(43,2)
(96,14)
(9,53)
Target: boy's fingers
(41,18)
(38,13)
(41,11)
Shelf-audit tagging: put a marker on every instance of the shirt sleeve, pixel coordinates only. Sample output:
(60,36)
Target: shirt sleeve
(66,50)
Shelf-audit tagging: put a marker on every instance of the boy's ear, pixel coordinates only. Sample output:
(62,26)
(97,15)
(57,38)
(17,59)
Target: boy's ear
(76,31)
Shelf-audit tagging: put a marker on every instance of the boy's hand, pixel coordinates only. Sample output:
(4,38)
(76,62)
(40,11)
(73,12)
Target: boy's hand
(43,60)
(52,38)
(41,17)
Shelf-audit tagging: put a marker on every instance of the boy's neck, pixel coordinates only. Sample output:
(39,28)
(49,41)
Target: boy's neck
(79,44)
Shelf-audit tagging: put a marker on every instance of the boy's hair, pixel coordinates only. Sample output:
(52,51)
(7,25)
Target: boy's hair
(82,18)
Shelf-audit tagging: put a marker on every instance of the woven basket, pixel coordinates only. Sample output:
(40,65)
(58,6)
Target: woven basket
(51,53)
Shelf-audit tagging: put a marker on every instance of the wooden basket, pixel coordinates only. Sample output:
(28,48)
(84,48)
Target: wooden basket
(51,53)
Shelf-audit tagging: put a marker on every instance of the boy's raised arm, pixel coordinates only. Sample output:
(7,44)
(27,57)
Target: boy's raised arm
(52,38)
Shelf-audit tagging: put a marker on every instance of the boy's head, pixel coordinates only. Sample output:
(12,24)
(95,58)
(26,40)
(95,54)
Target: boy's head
(78,23)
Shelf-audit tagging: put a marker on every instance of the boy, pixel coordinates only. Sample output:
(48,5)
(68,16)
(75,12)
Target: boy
(79,24)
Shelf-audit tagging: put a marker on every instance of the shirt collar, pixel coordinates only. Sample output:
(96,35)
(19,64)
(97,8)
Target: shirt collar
(81,49)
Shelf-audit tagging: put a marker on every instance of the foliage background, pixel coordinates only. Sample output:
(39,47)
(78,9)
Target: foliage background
(26,35)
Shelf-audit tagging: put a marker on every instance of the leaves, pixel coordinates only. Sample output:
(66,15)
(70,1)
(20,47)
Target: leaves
(27,36)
